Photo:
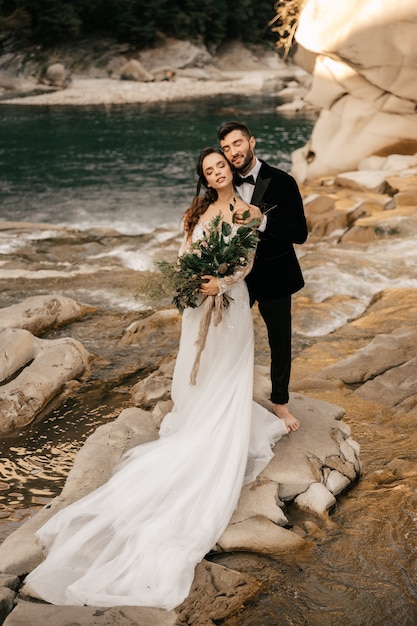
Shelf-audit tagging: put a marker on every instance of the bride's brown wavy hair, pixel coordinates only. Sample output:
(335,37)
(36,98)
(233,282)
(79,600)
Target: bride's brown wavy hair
(200,203)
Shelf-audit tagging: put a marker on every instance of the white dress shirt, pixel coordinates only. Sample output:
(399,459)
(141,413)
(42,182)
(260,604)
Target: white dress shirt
(245,190)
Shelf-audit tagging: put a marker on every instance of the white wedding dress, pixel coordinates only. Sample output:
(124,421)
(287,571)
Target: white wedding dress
(137,539)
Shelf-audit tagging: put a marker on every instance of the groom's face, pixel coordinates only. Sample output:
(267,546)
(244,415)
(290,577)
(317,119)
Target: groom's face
(238,150)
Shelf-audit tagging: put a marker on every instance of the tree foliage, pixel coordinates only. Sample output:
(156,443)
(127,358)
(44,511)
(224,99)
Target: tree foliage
(139,21)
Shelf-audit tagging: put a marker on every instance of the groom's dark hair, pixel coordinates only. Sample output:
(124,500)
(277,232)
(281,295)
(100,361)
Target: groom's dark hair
(228,127)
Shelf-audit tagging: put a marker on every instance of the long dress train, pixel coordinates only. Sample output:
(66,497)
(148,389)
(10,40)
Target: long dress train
(137,539)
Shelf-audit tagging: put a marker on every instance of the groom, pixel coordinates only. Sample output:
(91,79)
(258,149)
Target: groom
(275,199)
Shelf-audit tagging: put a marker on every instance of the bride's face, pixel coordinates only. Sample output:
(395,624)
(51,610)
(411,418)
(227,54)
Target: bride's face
(216,170)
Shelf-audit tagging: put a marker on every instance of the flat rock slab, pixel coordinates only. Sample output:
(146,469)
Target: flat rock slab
(33,614)
(216,593)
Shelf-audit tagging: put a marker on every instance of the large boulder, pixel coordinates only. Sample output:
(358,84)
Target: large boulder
(49,365)
(363,81)
(33,371)
(40,313)
(57,76)
(175,54)
(134,70)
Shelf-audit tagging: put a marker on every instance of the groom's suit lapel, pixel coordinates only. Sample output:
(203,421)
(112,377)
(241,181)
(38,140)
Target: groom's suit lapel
(262,184)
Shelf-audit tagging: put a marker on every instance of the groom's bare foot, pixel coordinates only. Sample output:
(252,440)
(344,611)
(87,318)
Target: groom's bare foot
(291,422)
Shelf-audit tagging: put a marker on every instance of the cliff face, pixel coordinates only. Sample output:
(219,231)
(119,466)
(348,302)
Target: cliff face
(364,82)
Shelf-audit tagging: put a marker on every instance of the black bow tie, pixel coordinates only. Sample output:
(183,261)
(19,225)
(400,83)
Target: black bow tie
(240,180)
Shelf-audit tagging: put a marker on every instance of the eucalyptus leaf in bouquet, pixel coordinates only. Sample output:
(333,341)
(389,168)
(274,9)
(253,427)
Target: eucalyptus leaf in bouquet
(223,249)
(219,253)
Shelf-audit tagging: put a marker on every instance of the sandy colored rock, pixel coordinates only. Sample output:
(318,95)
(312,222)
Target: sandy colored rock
(39,313)
(216,593)
(383,225)
(299,459)
(394,387)
(383,353)
(363,82)
(40,614)
(148,391)
(156,324)
(391,163)
(336,482)
(260,498)
(364,180)
(317,499)
(103,450)
(56,363)
(389,310)
(18,347)
(258,534)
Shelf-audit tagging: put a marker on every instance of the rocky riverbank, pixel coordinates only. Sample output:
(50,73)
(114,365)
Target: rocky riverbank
(365,368)
(110,73)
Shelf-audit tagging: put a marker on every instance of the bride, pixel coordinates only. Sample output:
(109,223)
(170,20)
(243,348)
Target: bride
(137,539)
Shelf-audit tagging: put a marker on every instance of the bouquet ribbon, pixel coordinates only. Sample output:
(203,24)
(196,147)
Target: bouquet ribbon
(212,308)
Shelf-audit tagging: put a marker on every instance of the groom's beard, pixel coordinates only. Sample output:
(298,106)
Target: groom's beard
(247,160)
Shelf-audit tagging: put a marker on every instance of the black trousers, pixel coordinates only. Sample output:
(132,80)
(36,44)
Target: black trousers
(277,317)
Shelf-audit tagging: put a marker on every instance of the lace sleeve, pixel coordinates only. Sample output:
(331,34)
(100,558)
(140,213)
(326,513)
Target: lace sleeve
(239,274)
(185,246)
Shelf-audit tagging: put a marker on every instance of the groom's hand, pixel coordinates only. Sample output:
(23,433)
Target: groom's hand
(242,216)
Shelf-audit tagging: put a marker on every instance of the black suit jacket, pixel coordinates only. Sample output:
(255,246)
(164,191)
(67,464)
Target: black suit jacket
(276,271)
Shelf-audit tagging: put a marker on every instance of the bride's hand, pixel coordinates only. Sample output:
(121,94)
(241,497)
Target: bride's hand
(209,286)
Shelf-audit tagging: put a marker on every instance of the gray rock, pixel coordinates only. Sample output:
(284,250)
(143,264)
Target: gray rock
(57,76)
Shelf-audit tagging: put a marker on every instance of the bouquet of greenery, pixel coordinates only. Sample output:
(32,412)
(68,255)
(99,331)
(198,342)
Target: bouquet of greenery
(219,253)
